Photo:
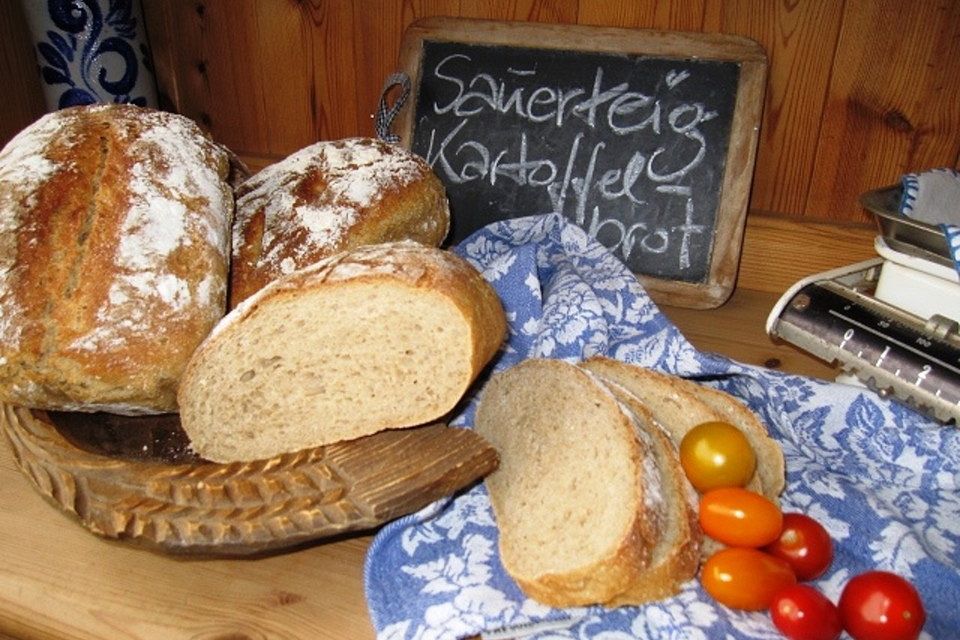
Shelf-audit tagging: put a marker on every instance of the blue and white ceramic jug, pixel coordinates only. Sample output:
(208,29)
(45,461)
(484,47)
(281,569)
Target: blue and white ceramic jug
(91,51)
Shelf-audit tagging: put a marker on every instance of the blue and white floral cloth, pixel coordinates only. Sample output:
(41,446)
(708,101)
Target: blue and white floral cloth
(881,478)
(933,197)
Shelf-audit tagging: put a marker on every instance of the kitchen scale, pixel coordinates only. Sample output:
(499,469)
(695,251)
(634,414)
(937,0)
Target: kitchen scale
(891,323)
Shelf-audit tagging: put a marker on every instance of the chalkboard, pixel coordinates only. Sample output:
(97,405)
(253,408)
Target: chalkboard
(644,139)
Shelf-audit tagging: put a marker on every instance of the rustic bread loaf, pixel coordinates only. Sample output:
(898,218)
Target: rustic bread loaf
(679,405)
(380,337)
(327,198)
(576,496)
(675,554)
(114,232)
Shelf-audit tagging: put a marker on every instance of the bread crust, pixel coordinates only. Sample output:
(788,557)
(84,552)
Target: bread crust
(114,231)
(665,574)
(330,197)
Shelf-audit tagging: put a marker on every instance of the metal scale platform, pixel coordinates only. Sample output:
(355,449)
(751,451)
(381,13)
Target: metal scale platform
(892,323)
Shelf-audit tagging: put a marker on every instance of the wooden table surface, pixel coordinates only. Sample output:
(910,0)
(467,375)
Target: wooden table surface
(59,581)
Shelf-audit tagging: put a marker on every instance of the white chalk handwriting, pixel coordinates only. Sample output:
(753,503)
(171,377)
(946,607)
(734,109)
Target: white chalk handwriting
(584,179)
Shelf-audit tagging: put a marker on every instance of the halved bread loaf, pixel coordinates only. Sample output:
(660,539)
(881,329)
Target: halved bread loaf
(384,336)
(679,405)
(675,555)
(576,497)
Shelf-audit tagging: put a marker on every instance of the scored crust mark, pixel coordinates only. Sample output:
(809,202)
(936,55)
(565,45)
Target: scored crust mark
(89,217)
(74,272)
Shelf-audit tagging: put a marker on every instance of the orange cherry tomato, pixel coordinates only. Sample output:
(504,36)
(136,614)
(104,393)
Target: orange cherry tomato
(717,454)
(740,518)
(743,578)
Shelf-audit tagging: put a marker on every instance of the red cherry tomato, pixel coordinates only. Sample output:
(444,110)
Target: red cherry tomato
(879,605)
(740,518)
(805,544)
(801,612)
(717,454)
(744,578)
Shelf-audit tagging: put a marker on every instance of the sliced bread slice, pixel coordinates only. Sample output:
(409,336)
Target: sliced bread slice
(383,336)
(675,555)
(679,405)
(575,504)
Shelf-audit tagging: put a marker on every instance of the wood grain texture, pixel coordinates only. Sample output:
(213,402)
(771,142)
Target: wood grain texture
(61,583)
(676,15)
(858,92)
(334,69)
(23,99)
(796,91)
(173,502)
(893,104)
(778,251)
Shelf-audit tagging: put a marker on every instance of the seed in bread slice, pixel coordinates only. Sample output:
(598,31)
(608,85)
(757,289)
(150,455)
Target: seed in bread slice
(679,405)
(384,336)
(575,504)
(675,555)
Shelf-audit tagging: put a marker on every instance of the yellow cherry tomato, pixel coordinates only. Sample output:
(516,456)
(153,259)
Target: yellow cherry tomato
(717,454)
(740,518)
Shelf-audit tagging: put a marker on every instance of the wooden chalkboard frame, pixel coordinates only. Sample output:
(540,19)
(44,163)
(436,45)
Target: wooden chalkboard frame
(744,132)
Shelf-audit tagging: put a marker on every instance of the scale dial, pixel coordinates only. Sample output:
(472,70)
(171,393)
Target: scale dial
(887,349)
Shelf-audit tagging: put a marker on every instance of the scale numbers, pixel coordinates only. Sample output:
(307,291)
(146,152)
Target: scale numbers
(891,355)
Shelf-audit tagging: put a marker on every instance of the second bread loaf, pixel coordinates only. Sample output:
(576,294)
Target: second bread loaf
(384,336)
(330,197)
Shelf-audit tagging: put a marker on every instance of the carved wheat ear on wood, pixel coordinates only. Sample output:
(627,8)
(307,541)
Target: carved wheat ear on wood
(191,506)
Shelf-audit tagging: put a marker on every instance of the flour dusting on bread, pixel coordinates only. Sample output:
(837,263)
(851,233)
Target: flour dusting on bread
(355,172)
(121,215)
(172,187)
(329,197)
(23,169)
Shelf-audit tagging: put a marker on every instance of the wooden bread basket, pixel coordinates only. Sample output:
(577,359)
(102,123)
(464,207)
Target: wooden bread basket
(140,483)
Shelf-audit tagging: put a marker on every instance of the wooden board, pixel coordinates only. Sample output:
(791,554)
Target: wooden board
(646,139)
(136,480)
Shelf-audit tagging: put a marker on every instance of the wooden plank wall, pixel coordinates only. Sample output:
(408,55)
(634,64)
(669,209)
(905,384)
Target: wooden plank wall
(859,91)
